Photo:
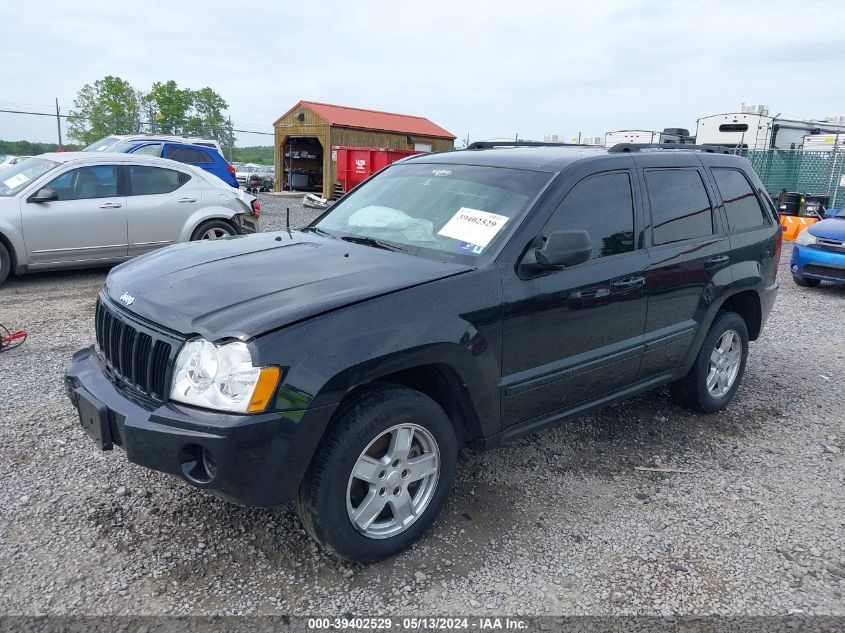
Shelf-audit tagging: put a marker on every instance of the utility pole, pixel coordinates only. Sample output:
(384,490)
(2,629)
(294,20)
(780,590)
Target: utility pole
(231,140)
(59,122)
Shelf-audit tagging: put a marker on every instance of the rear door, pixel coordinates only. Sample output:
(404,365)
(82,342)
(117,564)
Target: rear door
(689,256)
(195,156)
(159,201)
(86,224)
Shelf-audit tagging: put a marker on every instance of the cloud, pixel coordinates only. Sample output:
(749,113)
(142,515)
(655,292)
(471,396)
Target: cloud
(483,68)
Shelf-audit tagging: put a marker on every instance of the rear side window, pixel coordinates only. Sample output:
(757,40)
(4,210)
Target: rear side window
(680,207)
(189,155)
(742,206)
(603,206)
(148,181)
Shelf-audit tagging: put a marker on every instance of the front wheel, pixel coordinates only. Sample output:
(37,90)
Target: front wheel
(717,371)
(213,230)
(381,476)
(804,282)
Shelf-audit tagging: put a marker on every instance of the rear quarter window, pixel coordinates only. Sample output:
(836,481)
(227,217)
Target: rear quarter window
(742,206)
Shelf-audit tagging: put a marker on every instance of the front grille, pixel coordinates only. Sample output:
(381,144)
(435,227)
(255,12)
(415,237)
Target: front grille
(828,244)
(138,356)
(825,271)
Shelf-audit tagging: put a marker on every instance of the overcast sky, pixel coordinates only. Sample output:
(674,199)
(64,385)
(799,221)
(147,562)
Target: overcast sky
(478,68)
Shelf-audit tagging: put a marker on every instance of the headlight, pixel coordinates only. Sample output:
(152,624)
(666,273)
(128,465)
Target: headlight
(805,238)
(222,377)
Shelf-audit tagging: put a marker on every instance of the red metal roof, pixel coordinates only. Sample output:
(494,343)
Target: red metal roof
(372,119)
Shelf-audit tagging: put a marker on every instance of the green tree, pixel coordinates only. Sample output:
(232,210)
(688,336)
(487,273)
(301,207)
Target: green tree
(169,107)
(108,106)
(206,117)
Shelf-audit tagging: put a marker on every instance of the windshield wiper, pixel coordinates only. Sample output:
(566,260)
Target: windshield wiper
(317,229)
(371,241)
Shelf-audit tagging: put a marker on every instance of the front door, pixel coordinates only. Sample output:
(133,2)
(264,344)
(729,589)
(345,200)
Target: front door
(159,203)
(574,334)
(86,224)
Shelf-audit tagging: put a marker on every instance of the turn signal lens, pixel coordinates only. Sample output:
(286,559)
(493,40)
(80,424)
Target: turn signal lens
(264,388)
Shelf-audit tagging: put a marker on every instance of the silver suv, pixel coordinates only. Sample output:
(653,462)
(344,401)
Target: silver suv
(81,209)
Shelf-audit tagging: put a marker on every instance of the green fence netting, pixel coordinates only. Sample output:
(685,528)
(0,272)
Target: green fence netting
(810,173)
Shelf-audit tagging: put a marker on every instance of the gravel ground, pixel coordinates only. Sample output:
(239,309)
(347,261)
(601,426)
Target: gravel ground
(559,522)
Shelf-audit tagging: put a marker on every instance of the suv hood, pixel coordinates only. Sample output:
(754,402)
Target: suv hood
(245,286)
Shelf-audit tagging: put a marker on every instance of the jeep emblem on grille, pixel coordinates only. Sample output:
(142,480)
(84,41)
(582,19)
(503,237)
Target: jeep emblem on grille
(127,298)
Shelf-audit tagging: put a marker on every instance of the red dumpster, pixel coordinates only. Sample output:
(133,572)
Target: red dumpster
(356,164)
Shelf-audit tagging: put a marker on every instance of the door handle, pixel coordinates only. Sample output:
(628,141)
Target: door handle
(187,199)
(714,261)
(110,205)
(628,282)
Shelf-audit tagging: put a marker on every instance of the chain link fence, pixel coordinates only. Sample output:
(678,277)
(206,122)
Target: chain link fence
(814,173)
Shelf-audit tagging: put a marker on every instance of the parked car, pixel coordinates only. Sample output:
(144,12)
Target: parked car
(261,180)
(455,299)
(243,171)
(78,209)
(108,143)
(197,155)
(819,253)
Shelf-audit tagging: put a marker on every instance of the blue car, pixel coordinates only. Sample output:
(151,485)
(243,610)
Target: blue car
(207,158)
(819,252)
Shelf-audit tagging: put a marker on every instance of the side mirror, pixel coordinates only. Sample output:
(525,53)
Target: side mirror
(45,195)
(564,248)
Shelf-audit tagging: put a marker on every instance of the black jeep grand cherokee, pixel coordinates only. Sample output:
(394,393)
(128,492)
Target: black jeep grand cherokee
(454,299)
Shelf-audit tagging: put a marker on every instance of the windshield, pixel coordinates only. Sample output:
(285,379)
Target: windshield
(102,145)
(840,213)
(453,212)
(15,178)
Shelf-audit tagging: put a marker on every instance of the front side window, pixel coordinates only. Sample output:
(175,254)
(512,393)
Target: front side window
(19,175)
(453,212)
(680,206)
(741,205)
(148,181)
(85,183)
(102,145)
(189,155)
(603,206)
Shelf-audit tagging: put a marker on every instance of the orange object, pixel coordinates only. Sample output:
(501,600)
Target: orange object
(267,381)
(793,225)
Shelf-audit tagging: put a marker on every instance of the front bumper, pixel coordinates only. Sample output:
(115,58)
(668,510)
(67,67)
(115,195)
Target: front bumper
(818,263)
(258,460)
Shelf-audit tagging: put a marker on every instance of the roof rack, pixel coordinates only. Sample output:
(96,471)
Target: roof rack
(495,144)
(636,147)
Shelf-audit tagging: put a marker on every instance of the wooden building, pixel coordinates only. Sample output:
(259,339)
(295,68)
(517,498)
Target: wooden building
(306,133)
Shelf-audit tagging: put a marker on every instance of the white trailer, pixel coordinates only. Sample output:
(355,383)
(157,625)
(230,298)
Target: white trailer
(824,142)
(639,137)
(753,128)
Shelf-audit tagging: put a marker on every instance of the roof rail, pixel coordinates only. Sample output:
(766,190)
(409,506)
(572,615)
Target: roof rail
(495,144)
(636,147)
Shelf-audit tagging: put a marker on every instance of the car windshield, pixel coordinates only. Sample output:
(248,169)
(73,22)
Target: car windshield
(102,145)
(840,213)
(446,212)
(13,179)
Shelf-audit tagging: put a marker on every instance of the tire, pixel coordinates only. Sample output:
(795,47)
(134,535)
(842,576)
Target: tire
(804,282)
(330,496)
(5,263)
(692,391)
(218,227)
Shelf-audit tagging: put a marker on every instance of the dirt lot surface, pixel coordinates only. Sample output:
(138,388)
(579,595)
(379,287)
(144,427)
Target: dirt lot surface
(560,522)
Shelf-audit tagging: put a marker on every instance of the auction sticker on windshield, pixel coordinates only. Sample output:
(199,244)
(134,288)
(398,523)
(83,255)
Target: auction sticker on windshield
(15,180)
(473,226)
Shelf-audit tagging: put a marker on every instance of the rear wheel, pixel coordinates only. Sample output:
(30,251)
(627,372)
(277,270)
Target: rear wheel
(717,371)
(213,230)
(804,282)
(5,263)
(381,476)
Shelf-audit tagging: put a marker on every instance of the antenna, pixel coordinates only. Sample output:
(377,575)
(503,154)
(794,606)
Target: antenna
(287,218)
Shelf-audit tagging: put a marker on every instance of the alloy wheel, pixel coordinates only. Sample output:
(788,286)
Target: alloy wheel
(215,234)
(725,360)
(393,481)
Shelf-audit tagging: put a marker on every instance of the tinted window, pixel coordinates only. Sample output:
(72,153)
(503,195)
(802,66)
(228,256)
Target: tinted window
(188,155)
(742,206)
(603,206)
(733,127)
(680,208)
(147,181)
(98,181)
